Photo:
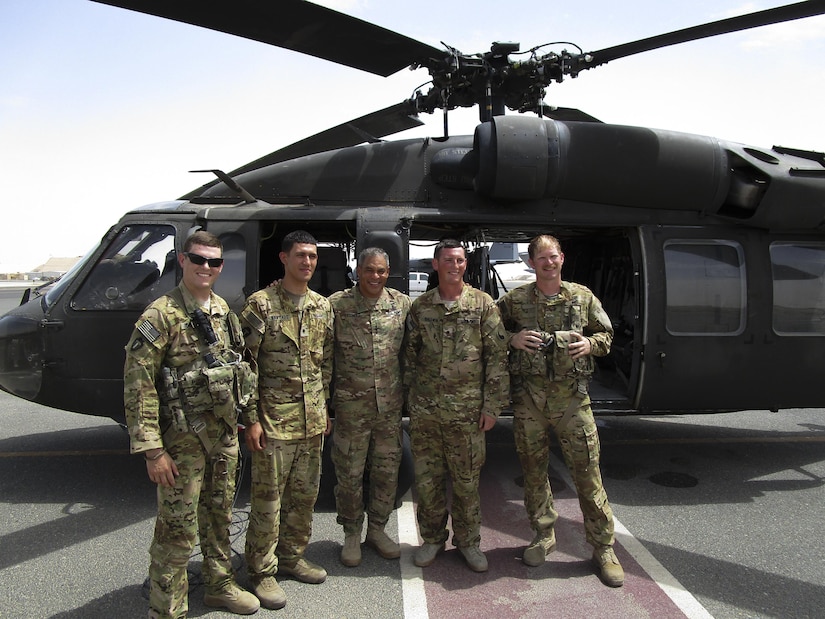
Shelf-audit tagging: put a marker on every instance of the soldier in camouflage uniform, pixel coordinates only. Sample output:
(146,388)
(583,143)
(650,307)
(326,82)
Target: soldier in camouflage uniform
(368,400)
(181,396)
(289,332)
(455,369)
(556,328)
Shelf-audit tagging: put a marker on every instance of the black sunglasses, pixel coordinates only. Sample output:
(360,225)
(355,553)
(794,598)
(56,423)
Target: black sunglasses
(199,260)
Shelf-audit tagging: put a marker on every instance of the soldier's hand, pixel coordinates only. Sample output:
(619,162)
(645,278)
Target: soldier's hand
(328,429)
(486,422)
(526,340)
(255,437)
(163,470)
(579,345)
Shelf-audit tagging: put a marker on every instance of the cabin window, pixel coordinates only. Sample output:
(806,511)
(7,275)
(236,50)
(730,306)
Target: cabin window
(705,287)
(138,266)
(798,271)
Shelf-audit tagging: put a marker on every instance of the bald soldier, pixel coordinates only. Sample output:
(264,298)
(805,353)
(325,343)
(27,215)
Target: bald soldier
(368,400)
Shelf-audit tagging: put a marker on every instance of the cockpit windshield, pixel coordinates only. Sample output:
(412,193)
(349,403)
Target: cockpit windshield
(138,266)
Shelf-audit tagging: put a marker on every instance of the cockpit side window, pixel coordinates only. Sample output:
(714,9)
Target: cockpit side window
(138,266)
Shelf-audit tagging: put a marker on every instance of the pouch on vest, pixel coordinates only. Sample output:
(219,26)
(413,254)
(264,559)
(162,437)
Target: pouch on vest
(247,383)
(564,367)
(531,362)
(210,390)
(527,362)
(221,382)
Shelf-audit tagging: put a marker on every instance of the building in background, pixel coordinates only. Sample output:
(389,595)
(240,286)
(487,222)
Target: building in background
(49,270)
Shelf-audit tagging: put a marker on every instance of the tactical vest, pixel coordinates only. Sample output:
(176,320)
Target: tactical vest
(555,319)
(217,382)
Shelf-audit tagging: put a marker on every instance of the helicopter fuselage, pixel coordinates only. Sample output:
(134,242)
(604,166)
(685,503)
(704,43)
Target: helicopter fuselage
(708,256)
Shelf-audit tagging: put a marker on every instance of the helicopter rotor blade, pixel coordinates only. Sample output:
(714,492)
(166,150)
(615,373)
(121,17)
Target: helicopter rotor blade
(767,17)
(368,128)
(297,25)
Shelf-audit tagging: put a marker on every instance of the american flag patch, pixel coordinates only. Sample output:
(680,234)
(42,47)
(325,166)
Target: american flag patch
(148,331)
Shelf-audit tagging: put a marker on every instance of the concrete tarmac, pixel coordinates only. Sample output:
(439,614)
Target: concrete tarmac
(77,514)
(717,515)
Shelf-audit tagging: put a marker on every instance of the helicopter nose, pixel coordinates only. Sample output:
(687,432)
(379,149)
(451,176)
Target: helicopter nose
(21,351)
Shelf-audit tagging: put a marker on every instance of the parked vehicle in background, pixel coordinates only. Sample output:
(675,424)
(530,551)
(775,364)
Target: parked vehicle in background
(418,283)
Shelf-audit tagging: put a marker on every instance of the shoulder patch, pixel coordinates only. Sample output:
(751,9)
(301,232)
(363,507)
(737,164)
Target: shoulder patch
(147,330)
(252,320)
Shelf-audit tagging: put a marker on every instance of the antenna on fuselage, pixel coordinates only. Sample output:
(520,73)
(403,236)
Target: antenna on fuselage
(232,184)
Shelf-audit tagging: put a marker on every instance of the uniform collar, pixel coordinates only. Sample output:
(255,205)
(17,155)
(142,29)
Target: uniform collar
(309,300)
(192,304)
(464,288)
(564,290)
(365,303)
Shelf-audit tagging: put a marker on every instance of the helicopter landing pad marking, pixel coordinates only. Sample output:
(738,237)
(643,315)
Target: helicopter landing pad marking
(567,582)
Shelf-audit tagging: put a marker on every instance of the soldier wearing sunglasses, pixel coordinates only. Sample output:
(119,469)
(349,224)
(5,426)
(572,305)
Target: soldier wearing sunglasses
(184,381)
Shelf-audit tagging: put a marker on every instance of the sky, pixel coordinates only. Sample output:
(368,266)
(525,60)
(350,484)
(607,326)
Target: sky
(103,109)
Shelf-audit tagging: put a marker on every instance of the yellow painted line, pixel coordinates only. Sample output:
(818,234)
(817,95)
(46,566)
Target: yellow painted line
(41,454)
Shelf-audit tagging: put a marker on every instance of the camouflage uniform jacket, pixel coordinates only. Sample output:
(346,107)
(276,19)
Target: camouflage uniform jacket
(165,337)
(455,358)
(293,348)
(369,335)
(575,308)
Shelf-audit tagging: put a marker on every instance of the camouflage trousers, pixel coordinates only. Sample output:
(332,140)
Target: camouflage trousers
(579,441)
(285,480)
(442,450)
(365,440)
(200,505)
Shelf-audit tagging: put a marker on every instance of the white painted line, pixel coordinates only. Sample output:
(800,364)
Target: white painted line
(667,582)
(412,580)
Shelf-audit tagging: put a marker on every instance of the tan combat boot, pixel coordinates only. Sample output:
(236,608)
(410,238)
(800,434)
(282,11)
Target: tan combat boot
(269,592)
(610,570)
(303,570)
(475,559)
(384,546)
(234,599)
(351,551)
(426,554)
(542,545)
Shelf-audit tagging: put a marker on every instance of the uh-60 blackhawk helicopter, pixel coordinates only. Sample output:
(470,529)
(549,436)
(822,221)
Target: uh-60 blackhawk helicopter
(708,255)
